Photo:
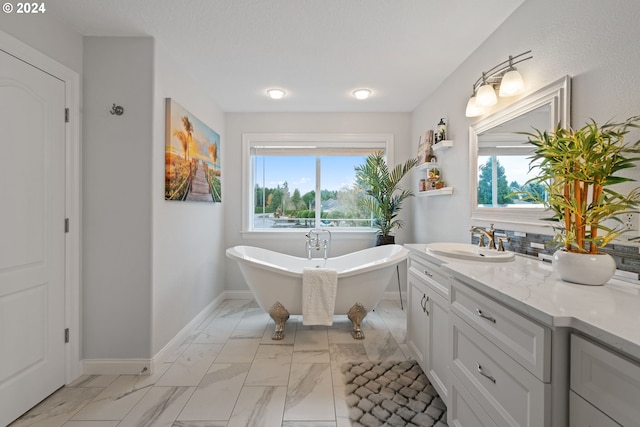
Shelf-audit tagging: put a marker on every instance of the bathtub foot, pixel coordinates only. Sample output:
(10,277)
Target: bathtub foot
(356,314)
(280,315)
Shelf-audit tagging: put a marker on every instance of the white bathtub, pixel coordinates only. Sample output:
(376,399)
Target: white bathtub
(363,276)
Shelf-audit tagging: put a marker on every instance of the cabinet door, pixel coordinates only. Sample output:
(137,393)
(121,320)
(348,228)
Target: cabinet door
(583,414)
(464,410)
(417,319)
(607,380)
(438,349)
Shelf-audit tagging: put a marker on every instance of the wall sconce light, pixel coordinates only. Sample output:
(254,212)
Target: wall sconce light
(503,77)
(473,109)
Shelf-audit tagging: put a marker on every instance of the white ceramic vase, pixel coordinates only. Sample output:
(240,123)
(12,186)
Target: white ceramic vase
(584,269)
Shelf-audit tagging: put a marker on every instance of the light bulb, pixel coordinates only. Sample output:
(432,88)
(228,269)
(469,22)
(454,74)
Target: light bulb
(473,109)
(362,93)
(511,83)
(276,93)
(486,96)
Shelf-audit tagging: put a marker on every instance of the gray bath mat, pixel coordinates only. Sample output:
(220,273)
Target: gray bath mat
(392,394)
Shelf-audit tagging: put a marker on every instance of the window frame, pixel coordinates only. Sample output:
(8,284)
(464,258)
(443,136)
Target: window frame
(341,140)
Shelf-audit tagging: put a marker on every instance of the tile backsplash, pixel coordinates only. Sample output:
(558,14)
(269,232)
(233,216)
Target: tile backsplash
(627,257)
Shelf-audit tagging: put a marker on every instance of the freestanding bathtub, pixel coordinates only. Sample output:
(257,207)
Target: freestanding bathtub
(276,280)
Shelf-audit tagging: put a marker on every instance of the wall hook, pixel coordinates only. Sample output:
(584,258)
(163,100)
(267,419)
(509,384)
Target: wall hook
(117,110)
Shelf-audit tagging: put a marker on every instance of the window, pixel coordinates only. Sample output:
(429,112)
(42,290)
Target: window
(503,171)
(295,181)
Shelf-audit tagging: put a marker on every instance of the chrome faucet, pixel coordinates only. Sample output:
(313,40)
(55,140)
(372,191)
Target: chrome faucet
(317,243)
(490,235)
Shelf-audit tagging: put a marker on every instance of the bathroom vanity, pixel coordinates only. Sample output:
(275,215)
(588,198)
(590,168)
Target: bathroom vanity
(510,344)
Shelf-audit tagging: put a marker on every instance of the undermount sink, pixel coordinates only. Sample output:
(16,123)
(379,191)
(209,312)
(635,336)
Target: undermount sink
(469,252)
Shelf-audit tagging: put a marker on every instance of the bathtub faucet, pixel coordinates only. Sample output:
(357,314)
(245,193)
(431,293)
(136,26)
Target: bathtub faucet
(315,242)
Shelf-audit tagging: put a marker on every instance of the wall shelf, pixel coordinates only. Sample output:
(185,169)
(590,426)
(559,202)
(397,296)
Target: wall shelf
(439,192)
(442,145)
(425,170)
(427,165)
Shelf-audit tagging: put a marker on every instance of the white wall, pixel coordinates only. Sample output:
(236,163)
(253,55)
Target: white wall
(593,42)
(117,197)
(46,35)
(397,124)
(188,237)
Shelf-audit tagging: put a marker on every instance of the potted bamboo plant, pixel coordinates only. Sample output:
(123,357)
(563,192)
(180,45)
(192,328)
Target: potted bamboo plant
(578,170)
(383,195)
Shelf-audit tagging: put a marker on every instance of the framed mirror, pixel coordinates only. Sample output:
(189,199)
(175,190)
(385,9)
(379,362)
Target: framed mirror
(499,156)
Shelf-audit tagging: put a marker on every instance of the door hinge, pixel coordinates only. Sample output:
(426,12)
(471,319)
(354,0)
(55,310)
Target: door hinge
(66,225)
(66,336)
(66,115)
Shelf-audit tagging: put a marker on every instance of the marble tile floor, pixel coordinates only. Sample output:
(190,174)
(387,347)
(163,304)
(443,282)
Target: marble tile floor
(230,373)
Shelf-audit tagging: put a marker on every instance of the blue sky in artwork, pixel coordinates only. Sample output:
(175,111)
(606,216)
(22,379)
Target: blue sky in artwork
(203,135)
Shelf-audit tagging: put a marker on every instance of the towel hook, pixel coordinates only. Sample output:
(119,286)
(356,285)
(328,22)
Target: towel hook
(117,110)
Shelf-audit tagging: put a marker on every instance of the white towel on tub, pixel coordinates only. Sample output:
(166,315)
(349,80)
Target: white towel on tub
(319,286)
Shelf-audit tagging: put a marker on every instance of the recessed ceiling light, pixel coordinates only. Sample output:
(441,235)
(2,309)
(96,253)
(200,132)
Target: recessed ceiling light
(361,93)
(276,93)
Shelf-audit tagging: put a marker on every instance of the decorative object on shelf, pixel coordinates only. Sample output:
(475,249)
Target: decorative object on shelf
(383,195)
(504,77)
(424,147)
(576,171)
(434,174)
(442,131)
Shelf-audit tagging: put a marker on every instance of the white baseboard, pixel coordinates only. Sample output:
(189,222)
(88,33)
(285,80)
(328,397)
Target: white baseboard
(115,366)
(238,294)
(146,366)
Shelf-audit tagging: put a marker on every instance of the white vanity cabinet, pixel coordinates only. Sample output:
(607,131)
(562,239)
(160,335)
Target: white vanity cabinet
(428,320)
(605,386)
(501,362)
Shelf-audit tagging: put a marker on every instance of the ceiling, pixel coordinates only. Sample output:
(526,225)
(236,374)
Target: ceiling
(318,51)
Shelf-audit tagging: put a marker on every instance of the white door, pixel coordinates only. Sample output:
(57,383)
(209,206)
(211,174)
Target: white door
(32,240)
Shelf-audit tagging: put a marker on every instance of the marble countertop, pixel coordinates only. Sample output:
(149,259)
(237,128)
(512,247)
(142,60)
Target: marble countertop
(609,313)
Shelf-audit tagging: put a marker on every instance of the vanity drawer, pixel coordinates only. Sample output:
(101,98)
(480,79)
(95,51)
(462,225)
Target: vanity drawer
(431,274)
(526,341)
(464,410)
(606,380)
(584,414)
(509,393)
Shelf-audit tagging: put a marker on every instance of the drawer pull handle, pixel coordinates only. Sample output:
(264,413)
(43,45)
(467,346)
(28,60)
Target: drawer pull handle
(428,274)
(423,303)
(489,377)
(484,316)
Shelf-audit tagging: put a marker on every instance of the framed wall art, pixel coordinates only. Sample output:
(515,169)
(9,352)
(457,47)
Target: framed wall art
(192,157)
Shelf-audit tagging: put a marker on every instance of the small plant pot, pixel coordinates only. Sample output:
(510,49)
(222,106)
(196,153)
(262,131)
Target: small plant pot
(385,240)
(584,269)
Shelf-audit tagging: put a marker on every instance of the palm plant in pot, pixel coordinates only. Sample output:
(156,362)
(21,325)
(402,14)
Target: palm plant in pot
(382,194)
(578,170)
